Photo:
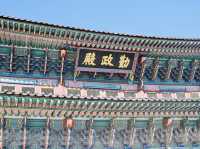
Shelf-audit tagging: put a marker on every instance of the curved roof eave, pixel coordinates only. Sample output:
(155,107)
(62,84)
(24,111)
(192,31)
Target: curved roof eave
(100,32)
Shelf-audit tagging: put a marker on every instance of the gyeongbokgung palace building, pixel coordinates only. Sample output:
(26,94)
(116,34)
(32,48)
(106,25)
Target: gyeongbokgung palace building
(69,88)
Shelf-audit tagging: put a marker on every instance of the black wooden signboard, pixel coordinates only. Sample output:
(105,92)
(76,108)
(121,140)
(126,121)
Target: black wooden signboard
(96,60)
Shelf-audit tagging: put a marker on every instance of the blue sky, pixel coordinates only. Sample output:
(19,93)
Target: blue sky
(168,18)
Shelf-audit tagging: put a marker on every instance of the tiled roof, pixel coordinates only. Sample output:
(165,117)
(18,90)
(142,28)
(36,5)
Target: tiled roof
(94,31)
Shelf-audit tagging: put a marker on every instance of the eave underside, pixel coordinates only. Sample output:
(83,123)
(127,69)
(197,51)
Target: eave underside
(55,35)
(61,107)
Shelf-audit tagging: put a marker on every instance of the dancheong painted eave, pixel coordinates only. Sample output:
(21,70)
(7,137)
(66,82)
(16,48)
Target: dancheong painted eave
(59,35)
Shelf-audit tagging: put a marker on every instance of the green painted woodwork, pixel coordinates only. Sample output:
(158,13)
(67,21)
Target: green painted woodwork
(49,30)
(142,106)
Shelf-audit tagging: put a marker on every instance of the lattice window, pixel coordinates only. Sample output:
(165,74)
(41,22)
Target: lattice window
(21,52)
(21,27)
(16,26)
(129,94)
(56,138)
(12,138)
(5,24)
(166,95)
(73,92)
(7,88)
(32,28)
(194,95)
(35,138)
(111,93)
(28,90)
(4,50)
(47,31)
(152,95)
(26,27)
(47,91)
(180,95)
(63,34)
(92,92)
(53,54)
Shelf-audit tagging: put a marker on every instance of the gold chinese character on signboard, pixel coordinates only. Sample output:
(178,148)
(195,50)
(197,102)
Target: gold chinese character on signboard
(131,76)
(107,60)
(89,59)
(124,61)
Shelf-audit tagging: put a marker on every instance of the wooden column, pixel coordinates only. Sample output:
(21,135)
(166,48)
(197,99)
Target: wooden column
(132,133)
(63,53)
(91,134)
(131,76)
(11,58)
(46,143)
(1,132)
(155,68)
(151,129)
(168,135)
(185,135)
(180,73)
(143,67)
(169,69)
(168,127)
(45,61)
(76,72)
(61,72)
(24,133)
(68,124)
(112,135)
(193,70)
(198,130)
(29,59)
(67,137)
(184,131)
